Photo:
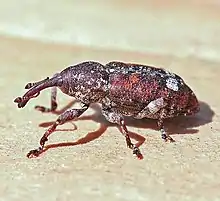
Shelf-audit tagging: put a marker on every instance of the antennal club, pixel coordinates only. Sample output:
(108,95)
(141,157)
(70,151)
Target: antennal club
(36,87)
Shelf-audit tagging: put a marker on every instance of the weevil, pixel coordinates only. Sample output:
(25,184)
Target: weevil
(122,89)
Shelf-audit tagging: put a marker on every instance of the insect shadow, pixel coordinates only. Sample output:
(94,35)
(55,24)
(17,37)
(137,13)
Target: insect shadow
(178,125)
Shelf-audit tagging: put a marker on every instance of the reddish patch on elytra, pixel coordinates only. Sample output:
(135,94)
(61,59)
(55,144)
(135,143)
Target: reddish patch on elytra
(127,85)
(134,78)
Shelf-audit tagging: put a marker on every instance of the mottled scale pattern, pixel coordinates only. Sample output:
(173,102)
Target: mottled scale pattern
(132,87)
(87,81)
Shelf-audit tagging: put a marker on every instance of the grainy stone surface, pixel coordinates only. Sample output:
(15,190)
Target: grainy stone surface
(104,169)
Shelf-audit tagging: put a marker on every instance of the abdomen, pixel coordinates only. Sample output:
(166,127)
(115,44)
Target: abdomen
(131,92)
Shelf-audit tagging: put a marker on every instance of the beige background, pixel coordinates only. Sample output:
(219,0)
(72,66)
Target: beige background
(39,38)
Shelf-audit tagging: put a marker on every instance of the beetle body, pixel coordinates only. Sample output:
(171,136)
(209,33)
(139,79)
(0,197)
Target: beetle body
(133,87)
(122,89)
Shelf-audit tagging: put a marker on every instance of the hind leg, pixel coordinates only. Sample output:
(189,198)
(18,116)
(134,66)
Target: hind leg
(155,109)
(164,135)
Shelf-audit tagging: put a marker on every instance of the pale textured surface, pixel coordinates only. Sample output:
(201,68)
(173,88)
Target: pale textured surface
(181,28)
(105,169)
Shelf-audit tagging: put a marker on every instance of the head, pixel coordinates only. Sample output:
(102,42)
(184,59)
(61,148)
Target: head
(36,87)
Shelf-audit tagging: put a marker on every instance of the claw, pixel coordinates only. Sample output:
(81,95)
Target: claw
(137,152)
(167,138)
(170,139)
(34,153)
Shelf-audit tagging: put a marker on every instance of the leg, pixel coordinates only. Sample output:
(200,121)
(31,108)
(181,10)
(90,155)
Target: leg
(152,109)
(114,117)
(155,109)
(53,102)
(63,118)
(160,124)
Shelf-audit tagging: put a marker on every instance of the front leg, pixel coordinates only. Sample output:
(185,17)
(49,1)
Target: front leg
(63,118)
(53,106)
(117,118)
(53,101)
